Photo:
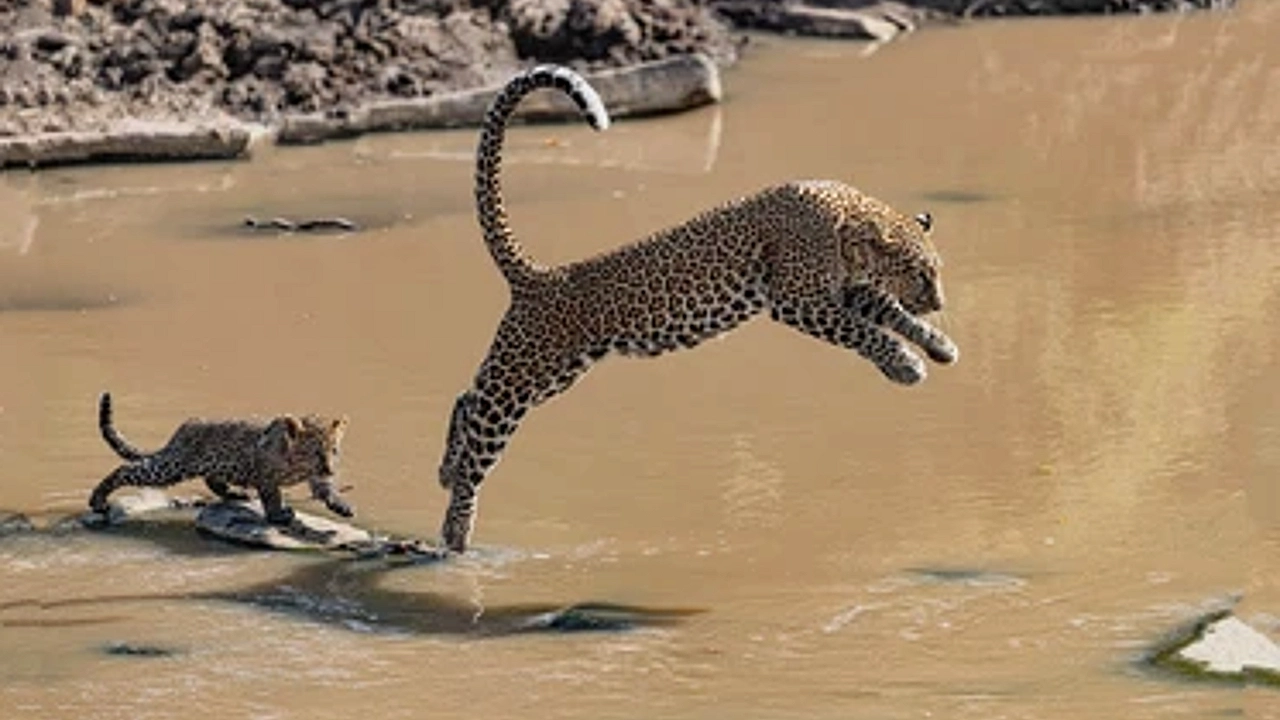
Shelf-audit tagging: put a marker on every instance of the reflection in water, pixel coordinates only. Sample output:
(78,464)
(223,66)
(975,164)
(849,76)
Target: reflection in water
(59,299)
(753,491)
(686,144)
(1137,387)
(18,230)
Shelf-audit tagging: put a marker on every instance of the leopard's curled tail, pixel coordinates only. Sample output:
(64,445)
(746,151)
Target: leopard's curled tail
(109,434)
(516,267)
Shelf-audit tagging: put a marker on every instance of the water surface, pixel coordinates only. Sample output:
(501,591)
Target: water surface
(1004,540)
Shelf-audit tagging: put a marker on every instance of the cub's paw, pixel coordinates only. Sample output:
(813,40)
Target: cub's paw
(283,517)
(341,507)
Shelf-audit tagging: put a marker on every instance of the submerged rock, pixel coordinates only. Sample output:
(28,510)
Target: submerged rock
(126,649)
(586,617)
(307,225)
(14,523)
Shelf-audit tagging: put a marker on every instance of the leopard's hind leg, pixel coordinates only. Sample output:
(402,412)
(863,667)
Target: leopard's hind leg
(154,471)
(222,488)
(512,379)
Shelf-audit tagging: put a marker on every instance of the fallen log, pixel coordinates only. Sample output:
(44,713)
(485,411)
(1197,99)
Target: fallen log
(676,83)
(878,22)
(127,142)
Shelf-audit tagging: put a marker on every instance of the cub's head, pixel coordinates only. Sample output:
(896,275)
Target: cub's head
(307,446)
(893,252)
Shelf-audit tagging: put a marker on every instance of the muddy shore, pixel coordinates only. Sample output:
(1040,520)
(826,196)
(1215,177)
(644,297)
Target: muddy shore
(87,66)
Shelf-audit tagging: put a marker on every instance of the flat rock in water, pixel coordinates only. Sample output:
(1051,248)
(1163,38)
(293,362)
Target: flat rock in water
(146,502)
(1224,647)
(14,523)
(244,523)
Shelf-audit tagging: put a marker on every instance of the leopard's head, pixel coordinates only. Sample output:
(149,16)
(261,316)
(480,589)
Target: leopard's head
(893,252)
(308,446)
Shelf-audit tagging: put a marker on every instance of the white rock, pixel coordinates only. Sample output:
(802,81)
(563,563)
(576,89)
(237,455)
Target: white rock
(243,522)
(1230,646)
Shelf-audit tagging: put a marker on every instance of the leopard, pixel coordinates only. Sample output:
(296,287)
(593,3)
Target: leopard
(818,256)
(265,456)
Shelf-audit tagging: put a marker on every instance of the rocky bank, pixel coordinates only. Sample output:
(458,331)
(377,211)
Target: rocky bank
(79,65)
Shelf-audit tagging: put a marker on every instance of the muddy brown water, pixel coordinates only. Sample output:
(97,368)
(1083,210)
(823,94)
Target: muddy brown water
(789,534)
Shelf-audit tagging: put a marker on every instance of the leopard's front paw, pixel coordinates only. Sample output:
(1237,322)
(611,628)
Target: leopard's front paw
(941,349)
(904,369)
(455,533)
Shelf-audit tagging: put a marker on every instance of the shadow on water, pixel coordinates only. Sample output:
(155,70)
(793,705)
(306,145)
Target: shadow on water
(337,590)
(971,577)
(61,300)
(957,197)
(350,594)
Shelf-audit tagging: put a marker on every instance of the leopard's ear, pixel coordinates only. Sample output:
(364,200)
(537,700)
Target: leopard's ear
(925,221)
(337,426)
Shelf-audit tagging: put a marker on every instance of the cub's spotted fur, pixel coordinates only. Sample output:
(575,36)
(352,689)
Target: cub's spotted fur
(818,256)
(263,456)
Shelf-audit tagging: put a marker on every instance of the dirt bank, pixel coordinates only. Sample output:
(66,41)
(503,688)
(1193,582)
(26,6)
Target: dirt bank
(99,61)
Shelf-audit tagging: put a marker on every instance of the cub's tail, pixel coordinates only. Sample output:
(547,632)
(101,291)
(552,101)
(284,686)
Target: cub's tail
(516,267)
(109,434)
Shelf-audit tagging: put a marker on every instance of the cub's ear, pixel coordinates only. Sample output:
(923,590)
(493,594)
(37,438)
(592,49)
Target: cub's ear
(338,425)
(281,433)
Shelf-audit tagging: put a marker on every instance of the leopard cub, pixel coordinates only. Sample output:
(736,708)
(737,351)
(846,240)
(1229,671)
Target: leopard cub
(265,457)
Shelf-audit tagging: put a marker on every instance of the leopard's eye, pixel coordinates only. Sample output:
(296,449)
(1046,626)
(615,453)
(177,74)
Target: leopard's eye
(925,220)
